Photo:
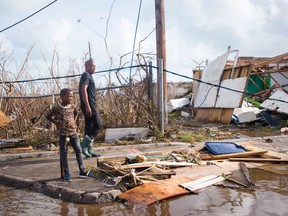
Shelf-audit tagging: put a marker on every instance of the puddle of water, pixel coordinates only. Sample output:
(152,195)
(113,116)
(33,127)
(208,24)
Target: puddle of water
(270,197)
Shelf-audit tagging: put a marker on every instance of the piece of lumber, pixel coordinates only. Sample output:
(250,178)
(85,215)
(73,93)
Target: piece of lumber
(157,163)
(152,192)
(156,171)
(202,182)
(234,155)
(269,156)
(259,160)
(177,158)
(110,168)
(150,156)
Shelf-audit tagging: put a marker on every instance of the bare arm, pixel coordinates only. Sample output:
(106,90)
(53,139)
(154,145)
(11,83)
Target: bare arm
(85,100)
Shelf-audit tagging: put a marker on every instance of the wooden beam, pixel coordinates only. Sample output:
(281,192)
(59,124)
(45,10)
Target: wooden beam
(234,155)
(202,182)
(156,163)
(259,160)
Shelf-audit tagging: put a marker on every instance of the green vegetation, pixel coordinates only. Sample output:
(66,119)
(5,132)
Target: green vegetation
(192,137)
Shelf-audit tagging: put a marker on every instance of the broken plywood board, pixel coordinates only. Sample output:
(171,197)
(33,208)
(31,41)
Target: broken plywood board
(211,74)
(112,134)
(202,182)
(273,102)
(152,192)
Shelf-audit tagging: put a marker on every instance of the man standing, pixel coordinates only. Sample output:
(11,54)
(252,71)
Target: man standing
(93,122)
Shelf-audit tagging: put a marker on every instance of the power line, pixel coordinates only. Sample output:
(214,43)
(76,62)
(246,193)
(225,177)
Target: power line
(223,87)
(118,69)
(68,76)
(27,17)
(57,94)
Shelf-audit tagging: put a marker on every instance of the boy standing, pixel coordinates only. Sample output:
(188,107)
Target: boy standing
(64,115)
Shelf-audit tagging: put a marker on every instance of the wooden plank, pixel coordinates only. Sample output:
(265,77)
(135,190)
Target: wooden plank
(259,160)
(157,163)
(234,155)
(202,182)
(152,192)
(150,155)
(111,169)
(156,171)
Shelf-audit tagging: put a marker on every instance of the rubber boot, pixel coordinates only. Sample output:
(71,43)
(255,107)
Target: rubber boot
(91,152)
(85,145)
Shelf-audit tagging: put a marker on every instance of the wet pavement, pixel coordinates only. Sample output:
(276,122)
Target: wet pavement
(40,171)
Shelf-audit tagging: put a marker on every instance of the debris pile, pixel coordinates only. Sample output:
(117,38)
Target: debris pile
(146,179)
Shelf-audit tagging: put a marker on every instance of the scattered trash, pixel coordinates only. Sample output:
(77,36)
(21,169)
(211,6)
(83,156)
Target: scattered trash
(212,163)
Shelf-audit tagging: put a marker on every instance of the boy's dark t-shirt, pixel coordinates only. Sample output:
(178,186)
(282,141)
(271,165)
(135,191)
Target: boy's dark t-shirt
(87,79)
(66,118)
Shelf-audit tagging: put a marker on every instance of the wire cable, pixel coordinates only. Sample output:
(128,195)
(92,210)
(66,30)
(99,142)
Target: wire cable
(118,69)
(27,17)
(68,76)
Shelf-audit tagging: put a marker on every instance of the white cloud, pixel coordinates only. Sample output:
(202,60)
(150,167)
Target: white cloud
(195,29)
(59,29)
(20,8)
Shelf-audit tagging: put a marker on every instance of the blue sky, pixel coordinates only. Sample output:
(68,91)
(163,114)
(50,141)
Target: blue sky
(196,30)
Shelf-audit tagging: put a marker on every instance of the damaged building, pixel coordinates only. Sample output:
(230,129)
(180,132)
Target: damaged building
(241,89)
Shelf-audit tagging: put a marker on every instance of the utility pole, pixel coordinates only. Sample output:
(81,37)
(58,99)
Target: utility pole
(161,46)
(89,47)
